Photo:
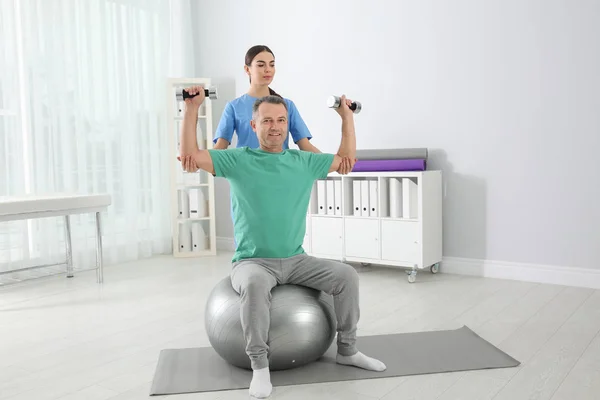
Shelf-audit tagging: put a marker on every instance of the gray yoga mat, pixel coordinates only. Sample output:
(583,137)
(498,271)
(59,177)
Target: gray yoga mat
(392,154)
(202,370)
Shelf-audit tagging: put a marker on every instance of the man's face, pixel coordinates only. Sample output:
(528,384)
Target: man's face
(271,125)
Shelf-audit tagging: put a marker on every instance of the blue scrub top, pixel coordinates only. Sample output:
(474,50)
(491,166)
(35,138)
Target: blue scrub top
(237,115)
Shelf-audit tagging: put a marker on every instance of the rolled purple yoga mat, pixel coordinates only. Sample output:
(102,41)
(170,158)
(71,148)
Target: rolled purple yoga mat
(389,165)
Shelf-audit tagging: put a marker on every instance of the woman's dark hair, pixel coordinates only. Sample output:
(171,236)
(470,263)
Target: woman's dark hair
(253,52)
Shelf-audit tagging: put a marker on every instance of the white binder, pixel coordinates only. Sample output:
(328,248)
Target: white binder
(202,204)
(364,198)
(178,135)
(321,197)
(197,203)
(199,239)
(409,198)
(330,197)
(313,202)
(356,197)
(395,198)
(185,238)
(183,201)
(373,203)
(337,192)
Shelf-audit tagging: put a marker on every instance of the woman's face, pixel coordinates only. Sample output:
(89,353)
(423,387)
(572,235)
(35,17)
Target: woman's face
(262,69)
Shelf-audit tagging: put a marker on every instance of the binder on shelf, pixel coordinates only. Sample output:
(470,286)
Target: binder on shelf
(383,198)
(312,203)
(321,197)
(373,203)
(199,238)
(200,137)
(184,203)
(185,238)
(409,198)
(395,198)
(202,204)
(198,207)
(330,199)
(364,198)
(337,193)
(356,198)
(178,135)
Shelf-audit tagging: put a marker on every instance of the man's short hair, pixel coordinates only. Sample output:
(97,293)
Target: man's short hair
(267,99)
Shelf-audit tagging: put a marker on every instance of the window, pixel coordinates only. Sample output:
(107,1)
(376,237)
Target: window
(82,110)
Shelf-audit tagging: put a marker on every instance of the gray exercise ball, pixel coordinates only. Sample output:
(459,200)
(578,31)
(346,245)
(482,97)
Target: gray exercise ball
(303,325)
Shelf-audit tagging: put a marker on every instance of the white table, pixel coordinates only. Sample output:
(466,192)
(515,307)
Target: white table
(53,205)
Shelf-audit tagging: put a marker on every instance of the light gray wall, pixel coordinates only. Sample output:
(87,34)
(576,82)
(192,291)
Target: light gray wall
(506,94)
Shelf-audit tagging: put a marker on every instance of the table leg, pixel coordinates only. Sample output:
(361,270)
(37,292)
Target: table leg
(69,246)
(99,265)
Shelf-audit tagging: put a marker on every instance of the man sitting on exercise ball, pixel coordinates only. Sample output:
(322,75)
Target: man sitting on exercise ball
(271,189)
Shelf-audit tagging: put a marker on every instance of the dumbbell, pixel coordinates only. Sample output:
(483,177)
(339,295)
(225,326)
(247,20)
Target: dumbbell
(210,93)
(335,101)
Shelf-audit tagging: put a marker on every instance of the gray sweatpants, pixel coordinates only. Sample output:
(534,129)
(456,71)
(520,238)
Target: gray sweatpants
(254,278)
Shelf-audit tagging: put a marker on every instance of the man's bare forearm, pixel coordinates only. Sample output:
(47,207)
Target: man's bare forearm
(348,145)
(188,140)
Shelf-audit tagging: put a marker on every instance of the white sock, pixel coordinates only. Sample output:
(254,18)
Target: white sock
(261,387)
(361,361)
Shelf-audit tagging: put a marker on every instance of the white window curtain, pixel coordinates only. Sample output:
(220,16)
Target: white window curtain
(82,109)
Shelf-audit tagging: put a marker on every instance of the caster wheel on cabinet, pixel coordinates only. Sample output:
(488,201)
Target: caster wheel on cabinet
(435,268)
(412,276)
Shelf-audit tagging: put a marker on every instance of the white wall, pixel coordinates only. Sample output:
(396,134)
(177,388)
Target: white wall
(506,94)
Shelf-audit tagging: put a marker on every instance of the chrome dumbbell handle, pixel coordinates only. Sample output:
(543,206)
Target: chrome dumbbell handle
(210,93)
(335,101)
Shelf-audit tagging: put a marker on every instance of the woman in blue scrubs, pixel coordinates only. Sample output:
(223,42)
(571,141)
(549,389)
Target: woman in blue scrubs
(260,67)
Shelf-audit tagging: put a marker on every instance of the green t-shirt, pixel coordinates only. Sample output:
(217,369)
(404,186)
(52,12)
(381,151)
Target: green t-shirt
(270,193)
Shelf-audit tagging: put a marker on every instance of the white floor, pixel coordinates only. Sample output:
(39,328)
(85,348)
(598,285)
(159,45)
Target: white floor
(72,339)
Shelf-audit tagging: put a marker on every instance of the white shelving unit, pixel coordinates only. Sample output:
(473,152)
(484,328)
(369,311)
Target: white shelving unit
(387,218)
(192,194)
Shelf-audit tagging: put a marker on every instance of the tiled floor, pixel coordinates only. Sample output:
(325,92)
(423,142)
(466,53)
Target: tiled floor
(72,339)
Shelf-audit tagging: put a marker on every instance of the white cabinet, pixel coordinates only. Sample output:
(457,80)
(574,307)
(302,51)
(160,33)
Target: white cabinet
(400,241)
(192,194)
(361,238)
(388,218)
(326,237)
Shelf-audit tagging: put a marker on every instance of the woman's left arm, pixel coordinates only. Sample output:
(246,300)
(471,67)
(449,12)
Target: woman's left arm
(298,129)
(305,145)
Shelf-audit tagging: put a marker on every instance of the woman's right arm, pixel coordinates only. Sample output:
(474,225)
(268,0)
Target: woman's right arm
(221,144)
(224,131)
